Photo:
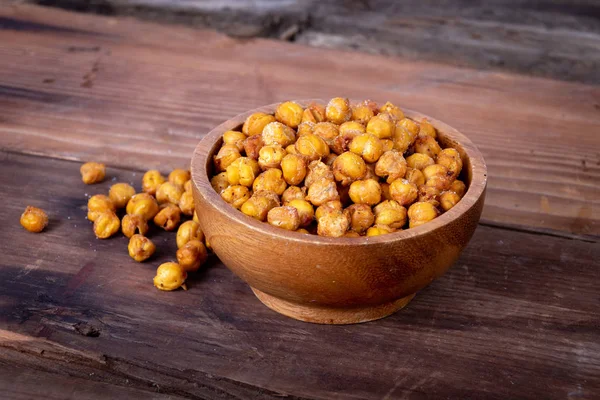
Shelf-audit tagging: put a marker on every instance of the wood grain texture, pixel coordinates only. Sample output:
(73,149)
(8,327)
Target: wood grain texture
(129,93)
(516,317)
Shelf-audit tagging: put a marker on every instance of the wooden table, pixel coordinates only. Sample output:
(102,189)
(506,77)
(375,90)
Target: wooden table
(516,317)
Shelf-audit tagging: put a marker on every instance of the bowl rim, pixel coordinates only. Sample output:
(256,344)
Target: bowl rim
(200,160)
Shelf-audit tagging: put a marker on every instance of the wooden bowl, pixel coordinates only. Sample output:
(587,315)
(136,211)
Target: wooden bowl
(336,280)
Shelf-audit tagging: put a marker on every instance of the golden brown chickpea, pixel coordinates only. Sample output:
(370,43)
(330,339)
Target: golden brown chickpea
(429,194)
(180,176)
(427,145)
(187,231)
(390,213)
(170,276)
(144,205)
(234,138)
(403,138)
(338,110)
(403,191)
(450,158)
(367,146)
(314,113)
(140,248)
(236,195)
(391,165)
(120,194)
(372,105)
(271,180)
(330,206)
(317,171)
(192,255)
(414,176)
(392,110)
(289,113)
(97,204)
(168,218)
(270,156)
(388,145)
(243,171)
(92,172)
(439,182)
(151,181)
(291,149)
(305,128)
(327,131)
(448,200)
(255,123)
(132,223)
(410,126)
(380,230)
(385,191)
(219,182)
(306,212)
(351,234)
(333,224)
(302,230)
(106,224)
(420,213)
(329,159)
(349,167)
(427,129)
(361,217)
(352,127)
(285,217)
(458,187)
(382,126)
(186,203)
(311,146)
(169,192)
(322,191)
(226,155)
(365,192)
(187,186)
(252,146)
(259,205)
(419,161)
(278,133)
(293,193)
(433,170)
(34,219)
(362,113)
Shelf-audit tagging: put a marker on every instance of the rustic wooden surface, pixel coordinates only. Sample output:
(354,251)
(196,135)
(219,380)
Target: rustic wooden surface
(516,317)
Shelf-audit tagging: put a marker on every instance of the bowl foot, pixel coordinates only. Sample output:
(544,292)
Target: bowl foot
(331,315)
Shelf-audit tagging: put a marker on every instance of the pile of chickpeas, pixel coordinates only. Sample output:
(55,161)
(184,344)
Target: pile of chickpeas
(341,171)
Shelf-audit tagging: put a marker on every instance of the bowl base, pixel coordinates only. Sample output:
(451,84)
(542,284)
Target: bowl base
(331,315)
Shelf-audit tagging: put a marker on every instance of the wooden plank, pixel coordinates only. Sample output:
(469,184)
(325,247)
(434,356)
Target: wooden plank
(516,317)
(134,94)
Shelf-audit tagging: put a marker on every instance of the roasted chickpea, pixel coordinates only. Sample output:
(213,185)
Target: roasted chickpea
(219,182)
(302,230)
(419,161)
(439,182)
(226,155)
(317,171)
(305,128)
(327,131)
(433,170)
(270,156)
(186,203)
(330,206)
(311,146)
(338,110)
(414,176)
(106,224)
(187,186)
(92,172)
(351,234)
(448,200)
(395,112)
(390,213)
(352,127)
(34,219)
(293,193)
(151,181)
(278,133)
(427,129)
(306,212)
(291,149)
(140,248)
(255,123)
(427,145)
(388,144)
(234,138)
(97,204)
(187,231)
(271,180)
(349,167)
(168,218)
(365,192)
(385,191)
(260,204)
(403,138)
(252,146)
(367,146)
(285,217)
(236,195)
(429,194)
(142,204)
(333,224)
(322,191)
(362,113)
(361,217)
(289,113)
(170,276)
(380,230)
(120,194)
(420,213)
(132,223)
(458,187)
(169,192)
(179,176)
(192,255)
(403,191)
(314,113)
(242,171)
(450,158)
(382,126)
(391,165)
(410,126)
